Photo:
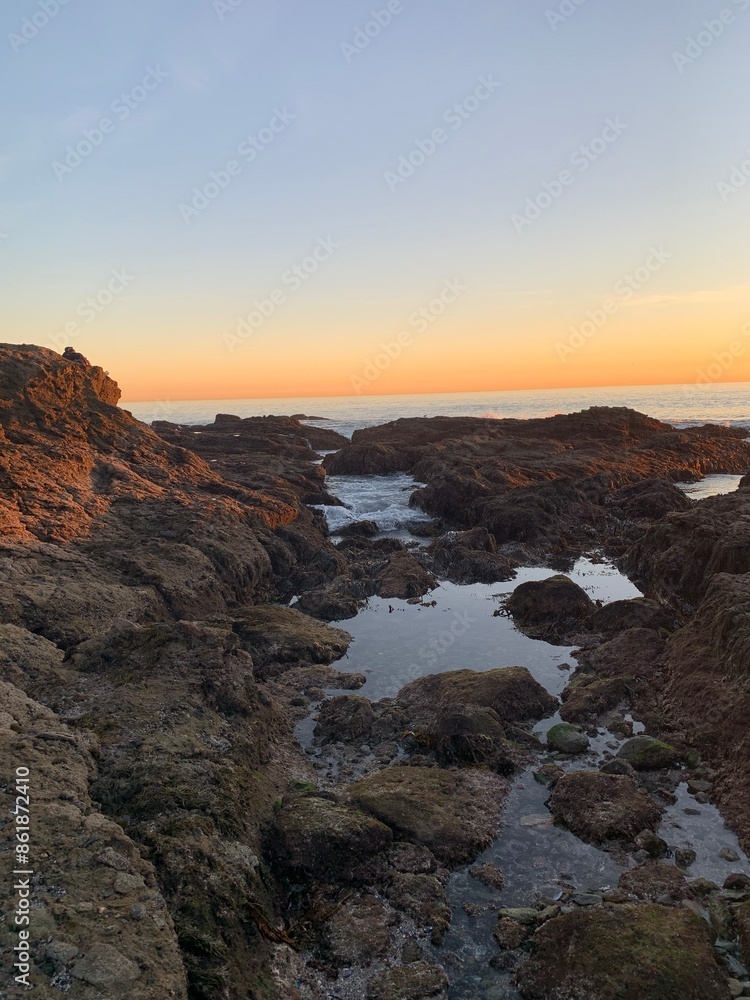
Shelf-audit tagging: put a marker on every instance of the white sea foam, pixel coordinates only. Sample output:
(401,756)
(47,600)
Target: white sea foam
(383,499)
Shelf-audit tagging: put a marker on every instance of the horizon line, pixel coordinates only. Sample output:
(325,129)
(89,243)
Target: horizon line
(467,392)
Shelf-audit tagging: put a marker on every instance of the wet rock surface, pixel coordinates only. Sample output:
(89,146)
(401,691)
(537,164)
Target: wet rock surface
(623,952)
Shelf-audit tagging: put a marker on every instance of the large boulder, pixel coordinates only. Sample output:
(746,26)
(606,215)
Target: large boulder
(454,813)
(567,738)
(599,807)
(323,839)
(645,753)
(511,692)
(470,557)
(551,608)
(631,952)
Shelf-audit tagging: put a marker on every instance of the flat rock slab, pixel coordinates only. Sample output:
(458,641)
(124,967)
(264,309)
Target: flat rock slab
(454,813)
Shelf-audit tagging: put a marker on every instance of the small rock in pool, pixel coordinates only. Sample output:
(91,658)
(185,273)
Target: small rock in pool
(695,785)
(536,820)
(566,738)
(728,854)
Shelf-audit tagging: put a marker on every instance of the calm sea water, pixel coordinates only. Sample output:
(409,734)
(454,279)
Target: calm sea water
(727,403)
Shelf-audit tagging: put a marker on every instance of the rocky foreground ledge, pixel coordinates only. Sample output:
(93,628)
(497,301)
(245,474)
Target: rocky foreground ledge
(152,673)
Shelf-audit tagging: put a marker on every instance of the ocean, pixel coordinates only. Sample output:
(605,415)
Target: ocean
(385,499)
(724,403)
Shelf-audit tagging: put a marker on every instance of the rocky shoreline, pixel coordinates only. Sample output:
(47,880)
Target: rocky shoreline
(154,676)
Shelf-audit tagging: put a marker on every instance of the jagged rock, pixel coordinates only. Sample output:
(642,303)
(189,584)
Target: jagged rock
(470,557)
(623,952)
(600,807)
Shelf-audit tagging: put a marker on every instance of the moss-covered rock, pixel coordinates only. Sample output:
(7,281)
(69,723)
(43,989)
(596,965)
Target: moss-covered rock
(423,898)
(345,718)
(600,807)
(454,813)
(318,837)
(654,880)
(645,753)
(589,697)
(470,735)
(511,692)
(567,739)
(418,981)
(272,633)
(358,932)
(629,952)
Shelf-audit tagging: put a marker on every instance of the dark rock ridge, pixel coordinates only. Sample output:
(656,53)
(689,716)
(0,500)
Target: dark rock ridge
(555,486)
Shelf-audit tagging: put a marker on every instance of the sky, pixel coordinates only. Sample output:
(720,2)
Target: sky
(239,198)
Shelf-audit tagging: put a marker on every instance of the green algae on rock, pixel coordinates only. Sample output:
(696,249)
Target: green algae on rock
(645,753)
(567,738)
(648,952)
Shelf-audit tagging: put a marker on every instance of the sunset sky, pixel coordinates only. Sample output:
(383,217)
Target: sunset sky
(364,172)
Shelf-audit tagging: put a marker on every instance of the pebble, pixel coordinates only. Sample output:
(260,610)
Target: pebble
(536,820)
(735,987)
(728,854)
(137,911)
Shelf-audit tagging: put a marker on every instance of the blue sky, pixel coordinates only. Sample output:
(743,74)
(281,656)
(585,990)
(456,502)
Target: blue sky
(227,73)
